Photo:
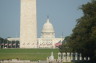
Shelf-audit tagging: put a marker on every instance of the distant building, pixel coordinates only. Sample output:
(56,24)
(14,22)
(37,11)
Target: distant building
(47,39)
(14,43)
(28,29)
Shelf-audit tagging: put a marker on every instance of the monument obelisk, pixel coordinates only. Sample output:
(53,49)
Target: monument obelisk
(28,24)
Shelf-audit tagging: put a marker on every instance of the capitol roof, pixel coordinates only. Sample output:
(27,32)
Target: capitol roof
(48,27)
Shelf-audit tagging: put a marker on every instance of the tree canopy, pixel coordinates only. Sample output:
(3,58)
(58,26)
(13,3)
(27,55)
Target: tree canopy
(83,38)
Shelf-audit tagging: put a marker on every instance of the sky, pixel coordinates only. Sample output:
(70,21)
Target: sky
(62,14)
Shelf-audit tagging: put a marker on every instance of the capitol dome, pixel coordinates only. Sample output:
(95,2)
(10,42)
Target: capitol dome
(48,27)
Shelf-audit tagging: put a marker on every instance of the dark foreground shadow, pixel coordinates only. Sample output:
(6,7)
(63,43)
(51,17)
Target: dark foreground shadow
(85,62)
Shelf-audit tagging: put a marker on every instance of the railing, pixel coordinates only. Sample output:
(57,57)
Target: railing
(67,57)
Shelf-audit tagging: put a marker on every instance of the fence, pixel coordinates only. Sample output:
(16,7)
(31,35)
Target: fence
(69,57)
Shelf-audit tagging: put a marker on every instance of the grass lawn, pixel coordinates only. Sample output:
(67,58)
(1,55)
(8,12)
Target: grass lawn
(27,54)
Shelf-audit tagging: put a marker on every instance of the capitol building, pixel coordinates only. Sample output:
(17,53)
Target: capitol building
(47,39)
(28,29)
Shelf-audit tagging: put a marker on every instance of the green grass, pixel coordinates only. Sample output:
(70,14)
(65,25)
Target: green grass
(27,54)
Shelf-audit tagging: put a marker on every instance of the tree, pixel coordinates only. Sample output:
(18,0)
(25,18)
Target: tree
(84,34)
(83,38)
(65,45)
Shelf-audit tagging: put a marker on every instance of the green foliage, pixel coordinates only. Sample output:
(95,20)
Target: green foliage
(65,45)
(83,38)
(4,43)
(27,54)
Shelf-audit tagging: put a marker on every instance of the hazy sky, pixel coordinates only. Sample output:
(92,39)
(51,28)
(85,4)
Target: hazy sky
(62,14)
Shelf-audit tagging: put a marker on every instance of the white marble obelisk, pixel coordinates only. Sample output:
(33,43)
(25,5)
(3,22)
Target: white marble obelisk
(28,24)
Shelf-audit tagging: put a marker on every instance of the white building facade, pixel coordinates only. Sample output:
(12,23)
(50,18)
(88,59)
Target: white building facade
(28,28)
(47,39)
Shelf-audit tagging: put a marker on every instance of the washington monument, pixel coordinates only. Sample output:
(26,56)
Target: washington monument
(28,24)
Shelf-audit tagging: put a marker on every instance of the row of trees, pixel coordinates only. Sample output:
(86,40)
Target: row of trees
(4,43)
(83,38)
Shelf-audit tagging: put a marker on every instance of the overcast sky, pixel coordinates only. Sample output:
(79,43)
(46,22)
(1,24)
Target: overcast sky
(62,14)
